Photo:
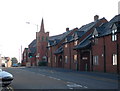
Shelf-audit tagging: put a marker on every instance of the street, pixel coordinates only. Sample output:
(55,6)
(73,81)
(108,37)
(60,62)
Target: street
(51,78)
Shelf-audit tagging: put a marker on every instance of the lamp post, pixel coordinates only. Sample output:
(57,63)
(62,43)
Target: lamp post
(37,54)
(33,24)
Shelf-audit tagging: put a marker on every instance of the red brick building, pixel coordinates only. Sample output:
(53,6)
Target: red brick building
(37,50)
(80,46)
(25,57)
(89,48)
(55,49)
(106,48)
(29,55)
(42,41)
(93,47)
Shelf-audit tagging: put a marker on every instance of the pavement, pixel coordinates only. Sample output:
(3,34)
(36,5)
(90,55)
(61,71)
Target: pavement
(111,76)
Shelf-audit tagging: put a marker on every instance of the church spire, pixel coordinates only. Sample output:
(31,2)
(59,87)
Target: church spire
(42,27)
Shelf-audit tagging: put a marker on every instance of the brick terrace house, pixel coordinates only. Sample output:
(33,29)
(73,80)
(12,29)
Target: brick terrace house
(29,55)
(106,46)
(55,49)
(67,49)
(25,57)
(77,50)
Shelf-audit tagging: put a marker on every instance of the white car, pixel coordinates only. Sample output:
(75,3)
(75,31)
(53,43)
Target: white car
(5,78)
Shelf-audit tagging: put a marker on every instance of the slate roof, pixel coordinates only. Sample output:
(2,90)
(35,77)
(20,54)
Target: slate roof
(59,50)
(53,40)
(32,46)
(87,27)
(105,29)
(84,43)
(79,33)
(69,38)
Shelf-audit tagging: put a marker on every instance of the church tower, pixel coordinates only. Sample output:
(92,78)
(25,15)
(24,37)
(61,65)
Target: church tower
(42,41)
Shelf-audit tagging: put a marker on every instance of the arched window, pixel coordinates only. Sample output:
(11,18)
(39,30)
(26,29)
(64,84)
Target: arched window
(46,38)
(42,38)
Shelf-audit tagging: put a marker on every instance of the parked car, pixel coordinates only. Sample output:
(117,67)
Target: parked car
(15,65)
(5,78)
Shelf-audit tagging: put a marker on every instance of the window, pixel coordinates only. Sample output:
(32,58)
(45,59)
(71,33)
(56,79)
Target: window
(65,39)
(55,59)
(66,59)
(95,60)
(75,43)
(38,39)
(114,59)
(48,44)
(96,41)
(46,38)
(75,36)
(75,58)
(48,48)
(65,45)
(42,38)
(49,60)
(114,36)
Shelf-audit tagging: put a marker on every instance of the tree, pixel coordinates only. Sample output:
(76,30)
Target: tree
(14,60)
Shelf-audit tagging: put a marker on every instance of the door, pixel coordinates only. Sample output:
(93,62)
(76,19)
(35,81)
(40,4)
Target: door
(85,61)
(60,62)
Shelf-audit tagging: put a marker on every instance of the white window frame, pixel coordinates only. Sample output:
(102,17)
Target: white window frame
(75,42)
(114,59)
(114,36)
(66,59)
(66,45)
(75,58)
(55,59)
(95,60)
(49,60)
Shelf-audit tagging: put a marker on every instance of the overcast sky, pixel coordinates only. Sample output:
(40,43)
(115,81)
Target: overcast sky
(57,15)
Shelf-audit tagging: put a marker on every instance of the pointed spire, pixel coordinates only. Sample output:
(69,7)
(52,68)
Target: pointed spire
(42,26)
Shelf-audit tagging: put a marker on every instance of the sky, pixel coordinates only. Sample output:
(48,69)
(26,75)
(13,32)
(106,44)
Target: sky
(16,34)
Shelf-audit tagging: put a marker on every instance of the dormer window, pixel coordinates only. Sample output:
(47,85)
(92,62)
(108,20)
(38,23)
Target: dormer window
(66,45)
(75,42)
(95,33)
(75,36)
(65,39)
(54,42)
(48,44)
(114,35)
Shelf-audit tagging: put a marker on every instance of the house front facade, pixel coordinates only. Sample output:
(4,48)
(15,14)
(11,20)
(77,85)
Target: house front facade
(105,48)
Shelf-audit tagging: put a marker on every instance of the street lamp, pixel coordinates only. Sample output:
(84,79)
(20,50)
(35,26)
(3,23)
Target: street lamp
(33,24)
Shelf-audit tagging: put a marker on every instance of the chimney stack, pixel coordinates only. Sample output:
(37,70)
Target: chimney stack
(96,17)
(67,29)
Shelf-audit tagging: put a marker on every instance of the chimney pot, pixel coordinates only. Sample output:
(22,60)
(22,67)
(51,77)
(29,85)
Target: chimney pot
(96,17)
(67,29)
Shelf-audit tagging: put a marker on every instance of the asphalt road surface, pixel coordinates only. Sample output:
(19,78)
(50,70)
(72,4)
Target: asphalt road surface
(50,78)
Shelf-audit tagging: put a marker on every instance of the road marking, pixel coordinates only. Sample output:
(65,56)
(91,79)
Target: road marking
(72,85)
(42,75)
(68,82)
(85,87)
(70,88)
(54,78)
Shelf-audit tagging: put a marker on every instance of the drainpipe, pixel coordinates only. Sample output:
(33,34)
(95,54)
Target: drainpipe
(70,54)
(51,57)
(117,55)
(77,60)
(104,54)
(91,60)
